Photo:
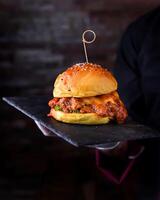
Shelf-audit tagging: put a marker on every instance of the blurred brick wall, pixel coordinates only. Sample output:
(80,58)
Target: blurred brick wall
(38,39)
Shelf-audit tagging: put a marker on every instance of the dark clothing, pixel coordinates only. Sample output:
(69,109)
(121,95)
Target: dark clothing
(138,75)
(138,70)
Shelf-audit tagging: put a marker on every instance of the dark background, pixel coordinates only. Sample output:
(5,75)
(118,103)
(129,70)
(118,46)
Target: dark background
(39,39)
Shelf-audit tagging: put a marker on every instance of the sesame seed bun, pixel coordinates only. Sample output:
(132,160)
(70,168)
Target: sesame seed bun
(84,80)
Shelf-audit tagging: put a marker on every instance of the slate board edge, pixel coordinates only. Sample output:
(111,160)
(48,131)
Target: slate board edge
(6,99)
(57,132)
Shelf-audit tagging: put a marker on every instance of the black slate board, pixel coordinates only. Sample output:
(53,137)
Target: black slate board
(80,135)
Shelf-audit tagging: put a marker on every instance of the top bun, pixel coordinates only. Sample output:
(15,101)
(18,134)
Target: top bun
(84,80)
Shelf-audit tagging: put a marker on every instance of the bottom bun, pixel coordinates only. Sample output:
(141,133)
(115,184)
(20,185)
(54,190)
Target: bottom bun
(79,118)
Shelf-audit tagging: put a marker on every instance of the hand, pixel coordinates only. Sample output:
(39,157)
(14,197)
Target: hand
(114,149)
(43,129)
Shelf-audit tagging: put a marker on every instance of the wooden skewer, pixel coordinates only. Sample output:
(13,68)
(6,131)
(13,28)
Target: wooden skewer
(87,41)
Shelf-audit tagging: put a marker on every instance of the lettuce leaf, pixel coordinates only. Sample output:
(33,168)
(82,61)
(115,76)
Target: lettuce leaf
(57,108)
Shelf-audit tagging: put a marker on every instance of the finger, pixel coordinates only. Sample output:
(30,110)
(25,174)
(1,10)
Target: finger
(131,157)
(108,146)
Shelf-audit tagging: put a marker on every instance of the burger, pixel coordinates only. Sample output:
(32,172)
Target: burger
(86,93)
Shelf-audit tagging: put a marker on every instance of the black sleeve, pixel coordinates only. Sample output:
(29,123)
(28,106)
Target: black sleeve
(128,77)
(149,62)
(138,70)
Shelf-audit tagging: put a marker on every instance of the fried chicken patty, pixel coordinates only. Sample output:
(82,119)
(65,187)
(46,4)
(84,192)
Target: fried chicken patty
(107,105)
